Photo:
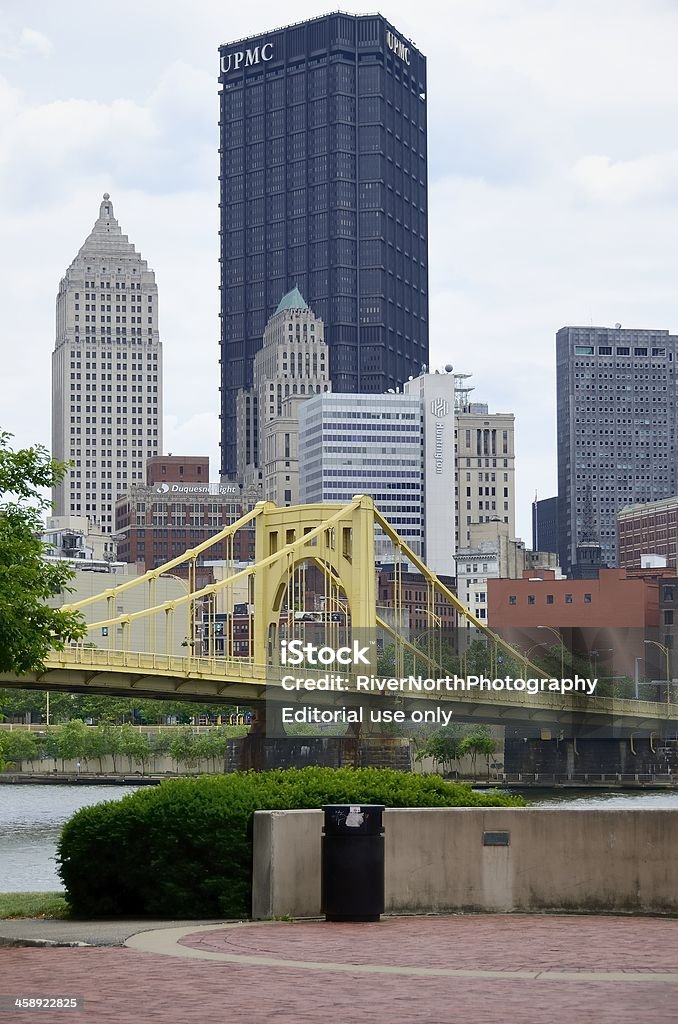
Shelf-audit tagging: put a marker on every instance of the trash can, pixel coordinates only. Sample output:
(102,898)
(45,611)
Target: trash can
(353,862)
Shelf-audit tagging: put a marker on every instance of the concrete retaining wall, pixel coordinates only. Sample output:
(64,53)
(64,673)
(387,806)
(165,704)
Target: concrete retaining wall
(436,861)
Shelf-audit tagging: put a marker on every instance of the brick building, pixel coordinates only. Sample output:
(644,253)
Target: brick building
(175,510)
(415,592)
(651,528)
(615,613)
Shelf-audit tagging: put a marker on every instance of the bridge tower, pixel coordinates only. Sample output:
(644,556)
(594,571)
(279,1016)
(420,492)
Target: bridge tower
(338,540)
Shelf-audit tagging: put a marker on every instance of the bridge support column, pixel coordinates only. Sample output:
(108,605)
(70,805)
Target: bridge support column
(266,724)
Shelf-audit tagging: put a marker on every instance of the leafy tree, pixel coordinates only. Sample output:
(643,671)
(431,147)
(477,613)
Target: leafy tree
(160,745)
(183,749)
(95,745)
(19,745)
(478,742)
(28,627)
(444,746)
(72,740)
(134,745)
(111,742)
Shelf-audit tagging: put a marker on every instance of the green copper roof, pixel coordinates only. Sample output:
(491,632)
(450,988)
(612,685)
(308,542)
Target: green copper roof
(293,300)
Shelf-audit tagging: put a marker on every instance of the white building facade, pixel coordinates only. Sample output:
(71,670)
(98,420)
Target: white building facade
(106,373)
(435,393)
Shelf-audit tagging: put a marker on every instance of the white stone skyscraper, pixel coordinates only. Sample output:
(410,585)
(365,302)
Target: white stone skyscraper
(106,373)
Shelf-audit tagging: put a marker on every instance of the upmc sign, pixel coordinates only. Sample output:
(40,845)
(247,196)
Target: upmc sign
(247,58)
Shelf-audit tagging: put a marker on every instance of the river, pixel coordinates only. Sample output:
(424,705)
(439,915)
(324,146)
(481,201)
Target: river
(31,817)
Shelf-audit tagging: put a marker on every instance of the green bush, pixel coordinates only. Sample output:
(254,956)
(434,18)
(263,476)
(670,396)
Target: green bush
(184,849)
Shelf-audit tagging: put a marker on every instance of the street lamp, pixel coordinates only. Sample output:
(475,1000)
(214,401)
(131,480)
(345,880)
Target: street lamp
(594,658)
(557,633)
(668,671)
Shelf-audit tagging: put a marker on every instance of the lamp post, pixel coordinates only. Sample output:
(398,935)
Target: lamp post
(528,652)
(636,675)
(594,658)
(668,670)
(557,633)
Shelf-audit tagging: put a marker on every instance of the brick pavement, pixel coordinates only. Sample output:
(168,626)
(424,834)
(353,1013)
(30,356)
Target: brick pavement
(481,970)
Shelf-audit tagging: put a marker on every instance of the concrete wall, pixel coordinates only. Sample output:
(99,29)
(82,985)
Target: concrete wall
(573,860)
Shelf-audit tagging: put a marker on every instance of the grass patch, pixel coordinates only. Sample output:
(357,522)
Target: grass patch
(15,905)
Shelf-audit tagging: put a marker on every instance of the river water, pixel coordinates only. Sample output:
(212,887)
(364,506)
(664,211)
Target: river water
(31,817)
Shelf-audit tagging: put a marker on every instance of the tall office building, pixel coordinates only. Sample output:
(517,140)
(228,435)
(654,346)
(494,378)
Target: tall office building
(366,444)
(485,467)
(291,366)
(324,187)
(106,373)
(616,409)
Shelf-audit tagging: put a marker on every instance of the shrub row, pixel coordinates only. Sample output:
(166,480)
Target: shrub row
(184,848)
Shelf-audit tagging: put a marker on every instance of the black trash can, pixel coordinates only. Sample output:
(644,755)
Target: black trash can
(353,862)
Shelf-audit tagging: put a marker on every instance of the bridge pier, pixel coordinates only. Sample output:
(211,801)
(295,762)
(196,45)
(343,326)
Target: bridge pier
(572,757)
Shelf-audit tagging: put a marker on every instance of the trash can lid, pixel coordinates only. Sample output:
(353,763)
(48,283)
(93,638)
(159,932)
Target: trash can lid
(356,806)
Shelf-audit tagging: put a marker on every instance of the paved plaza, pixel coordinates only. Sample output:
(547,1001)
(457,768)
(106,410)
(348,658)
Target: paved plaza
(462,969)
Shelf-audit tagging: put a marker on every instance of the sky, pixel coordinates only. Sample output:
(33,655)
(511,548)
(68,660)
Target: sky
(553,187)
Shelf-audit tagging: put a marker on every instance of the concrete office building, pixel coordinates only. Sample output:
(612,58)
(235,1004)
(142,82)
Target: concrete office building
(292,365)
(493,554)
(76,538)
(106,373)
(616,411)
(324,187)
(485,480)
(365,444)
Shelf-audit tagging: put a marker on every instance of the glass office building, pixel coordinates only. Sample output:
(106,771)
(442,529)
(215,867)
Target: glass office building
(324,187)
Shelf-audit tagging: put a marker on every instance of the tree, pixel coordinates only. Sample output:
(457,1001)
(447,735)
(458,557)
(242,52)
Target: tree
(28,627)
(479,742)
(73,741)
(97,744)
(19,745)
(134,745)
(444,746)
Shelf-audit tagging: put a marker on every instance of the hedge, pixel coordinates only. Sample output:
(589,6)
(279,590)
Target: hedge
(184,849)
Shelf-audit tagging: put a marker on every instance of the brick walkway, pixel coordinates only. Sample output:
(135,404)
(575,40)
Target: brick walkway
(437,970)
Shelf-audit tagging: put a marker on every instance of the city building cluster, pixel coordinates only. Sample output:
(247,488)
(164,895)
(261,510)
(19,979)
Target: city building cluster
(326,387)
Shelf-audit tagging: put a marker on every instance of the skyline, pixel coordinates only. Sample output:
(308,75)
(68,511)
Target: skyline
(551,190)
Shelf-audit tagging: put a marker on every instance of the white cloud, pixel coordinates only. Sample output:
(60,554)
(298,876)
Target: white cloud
(32,41)
(652,177)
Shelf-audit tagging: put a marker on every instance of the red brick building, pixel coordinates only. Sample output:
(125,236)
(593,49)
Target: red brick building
(414,595)
(189,469)
(650,529)
(615,613)
(177,509)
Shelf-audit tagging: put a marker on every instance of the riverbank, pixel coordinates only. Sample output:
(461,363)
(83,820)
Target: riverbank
(67,779)
(518,784)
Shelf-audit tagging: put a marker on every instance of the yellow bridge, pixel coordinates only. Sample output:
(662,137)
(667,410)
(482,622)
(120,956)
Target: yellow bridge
(233,628)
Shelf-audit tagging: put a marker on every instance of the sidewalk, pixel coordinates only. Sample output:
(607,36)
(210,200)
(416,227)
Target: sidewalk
(464,969)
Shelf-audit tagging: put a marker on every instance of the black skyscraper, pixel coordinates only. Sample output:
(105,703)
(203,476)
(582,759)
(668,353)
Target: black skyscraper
(323,186)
